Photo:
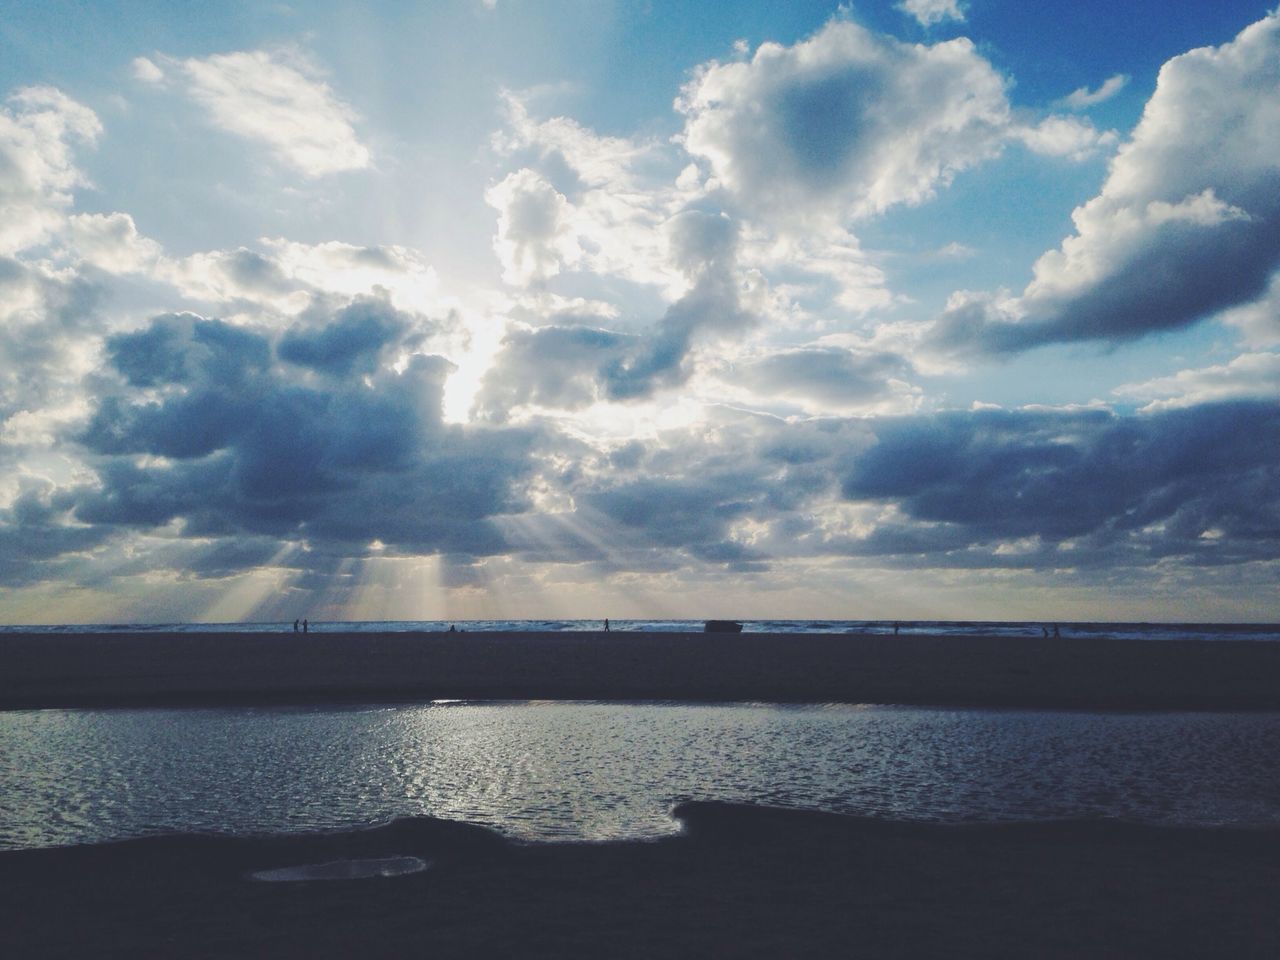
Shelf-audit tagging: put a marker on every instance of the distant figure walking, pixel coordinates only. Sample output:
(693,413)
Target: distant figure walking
(896,628)
(1056,634)
(1044,631)
(606,624)
(306,627)
(295,626)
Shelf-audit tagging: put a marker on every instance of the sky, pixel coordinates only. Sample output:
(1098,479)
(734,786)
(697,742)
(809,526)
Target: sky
(931,309)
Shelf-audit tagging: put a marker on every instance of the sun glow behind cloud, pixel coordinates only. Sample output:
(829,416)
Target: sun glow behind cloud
(279,335)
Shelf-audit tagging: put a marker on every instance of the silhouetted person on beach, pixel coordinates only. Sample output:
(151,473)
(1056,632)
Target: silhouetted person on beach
(453,628)
(1056,634)
(295,626)
(896,628)
(306,627)
(606,624)
(1044,631)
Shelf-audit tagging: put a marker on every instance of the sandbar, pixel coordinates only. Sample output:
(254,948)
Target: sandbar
(124,668)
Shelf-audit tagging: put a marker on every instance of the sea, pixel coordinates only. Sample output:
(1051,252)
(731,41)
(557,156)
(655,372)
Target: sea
(955,628)
(597,771)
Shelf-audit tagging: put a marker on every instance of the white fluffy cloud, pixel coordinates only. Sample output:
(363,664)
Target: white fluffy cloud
(1249,376)
(582,200)
(929,12)
(279,101)
(146,70)
(846,124)
(1083,98)
(535,231)
(111,242)
(1067,137)
(38,127)
(1186,225)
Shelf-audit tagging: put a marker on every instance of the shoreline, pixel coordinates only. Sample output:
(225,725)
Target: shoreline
(740,881)
(122,669)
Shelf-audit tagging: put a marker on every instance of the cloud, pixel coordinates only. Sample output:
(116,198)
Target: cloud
(582,201)
(47,321)
(1200,483)
(288,276)
(39,127)
(1084,98)
(845,124)
(929,12)
(111,242)
(1251,375)
(1067,137)
(352,343)
(146,70)
(535,234)
(833,377)
(572,367)
(1187,223)
(37,534)
(196,427)
(279,101)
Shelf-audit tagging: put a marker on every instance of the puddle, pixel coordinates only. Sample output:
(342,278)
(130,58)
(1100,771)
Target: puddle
(344,870)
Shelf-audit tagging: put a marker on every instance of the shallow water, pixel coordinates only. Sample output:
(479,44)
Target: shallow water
(591,771)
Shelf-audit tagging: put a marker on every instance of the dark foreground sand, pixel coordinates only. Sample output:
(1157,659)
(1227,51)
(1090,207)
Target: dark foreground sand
(120,668)
(743,882)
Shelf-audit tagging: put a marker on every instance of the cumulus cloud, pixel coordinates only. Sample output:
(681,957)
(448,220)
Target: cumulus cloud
(279,101)
(39,127)
(929,12)
(1251,375)
(146,70)
(206,431)
(571,367)
(535,233)
(1187,223)
(1200,483)
(1067,137)
(288,275)
(1084,98)
(37,534)
(47,318)
(580,200)
(111,242)
(833,377)
(847,123)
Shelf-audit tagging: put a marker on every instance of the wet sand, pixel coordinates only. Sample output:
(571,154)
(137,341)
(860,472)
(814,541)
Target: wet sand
(130,669)
(742,882)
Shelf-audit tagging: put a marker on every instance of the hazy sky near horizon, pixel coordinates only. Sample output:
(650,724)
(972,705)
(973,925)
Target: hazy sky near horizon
(491,308)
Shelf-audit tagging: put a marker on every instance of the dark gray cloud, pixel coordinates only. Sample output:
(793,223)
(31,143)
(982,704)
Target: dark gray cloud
(36,535)
(196,424)
(1201,482)
(182,348)
(351,343)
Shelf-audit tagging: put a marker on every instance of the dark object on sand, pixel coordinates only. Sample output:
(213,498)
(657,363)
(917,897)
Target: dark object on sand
(723,626)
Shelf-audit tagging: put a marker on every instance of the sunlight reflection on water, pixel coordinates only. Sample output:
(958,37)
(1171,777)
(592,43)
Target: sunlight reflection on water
(602,771)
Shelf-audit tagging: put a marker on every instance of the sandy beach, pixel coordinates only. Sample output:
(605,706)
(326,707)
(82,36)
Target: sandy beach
(125,668)
(742,882)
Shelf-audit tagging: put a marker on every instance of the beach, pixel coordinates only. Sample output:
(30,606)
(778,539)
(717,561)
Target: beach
(123,668)
(740,882)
